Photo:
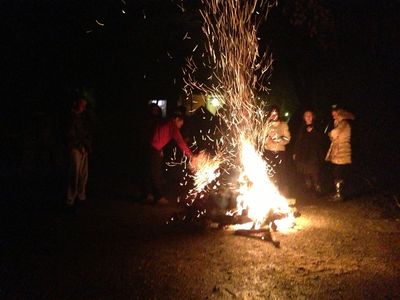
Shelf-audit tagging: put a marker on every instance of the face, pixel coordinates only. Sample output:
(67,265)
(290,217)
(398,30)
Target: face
(308,117)
(274,115)
(178,122)
(335,115)
(81,105)
(155,111)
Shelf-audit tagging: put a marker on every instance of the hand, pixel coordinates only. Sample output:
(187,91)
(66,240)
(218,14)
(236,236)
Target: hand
(196,161)
(193,162)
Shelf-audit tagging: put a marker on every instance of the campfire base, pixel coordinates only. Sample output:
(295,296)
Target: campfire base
(261,233)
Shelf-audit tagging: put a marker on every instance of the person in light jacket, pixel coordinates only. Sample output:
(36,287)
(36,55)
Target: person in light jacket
(277,137)
(339,153)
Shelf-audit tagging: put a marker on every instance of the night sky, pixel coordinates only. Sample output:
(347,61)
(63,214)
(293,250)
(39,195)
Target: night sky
(325,52)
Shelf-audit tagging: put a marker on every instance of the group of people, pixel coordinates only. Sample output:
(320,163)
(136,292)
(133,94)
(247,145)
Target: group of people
(308,154)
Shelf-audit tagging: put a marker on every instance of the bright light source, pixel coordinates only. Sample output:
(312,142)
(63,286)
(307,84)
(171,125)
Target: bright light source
(286,114)
(215,102)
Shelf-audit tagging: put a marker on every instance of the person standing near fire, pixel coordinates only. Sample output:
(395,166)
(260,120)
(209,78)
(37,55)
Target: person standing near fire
(277,137)
(79,147)
(162,135)
(339,153)
(309,152)
(151,120)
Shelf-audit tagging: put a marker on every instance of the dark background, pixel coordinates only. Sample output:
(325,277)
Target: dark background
(325,52)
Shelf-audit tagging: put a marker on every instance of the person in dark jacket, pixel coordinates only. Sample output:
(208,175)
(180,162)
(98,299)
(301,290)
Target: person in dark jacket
(153,118)
(309,152)
(79,146)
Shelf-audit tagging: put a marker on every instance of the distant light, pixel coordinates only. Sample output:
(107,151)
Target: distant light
(215,102)
(286,114)
(123,12)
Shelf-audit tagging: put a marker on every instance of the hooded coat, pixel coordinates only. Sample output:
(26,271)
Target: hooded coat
(339,152)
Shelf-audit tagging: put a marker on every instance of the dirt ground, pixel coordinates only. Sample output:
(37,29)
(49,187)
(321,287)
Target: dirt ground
(117,248)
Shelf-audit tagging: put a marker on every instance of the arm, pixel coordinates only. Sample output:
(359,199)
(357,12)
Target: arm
(285,138)
(338,130)
(177,136)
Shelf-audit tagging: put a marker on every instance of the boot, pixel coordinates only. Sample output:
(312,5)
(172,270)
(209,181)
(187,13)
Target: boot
(338,196)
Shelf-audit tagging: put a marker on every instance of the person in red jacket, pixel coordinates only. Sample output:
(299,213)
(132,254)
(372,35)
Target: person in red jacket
(162,135)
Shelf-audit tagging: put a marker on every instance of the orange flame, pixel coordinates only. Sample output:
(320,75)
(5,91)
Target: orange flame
(257,194)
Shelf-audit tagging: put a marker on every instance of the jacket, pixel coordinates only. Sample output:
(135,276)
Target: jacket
(309,147)
(339,152)
(78,134)
(278,136)
(164,133)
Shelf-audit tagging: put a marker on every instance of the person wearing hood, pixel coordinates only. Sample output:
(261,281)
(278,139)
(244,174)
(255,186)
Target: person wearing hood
(339,153)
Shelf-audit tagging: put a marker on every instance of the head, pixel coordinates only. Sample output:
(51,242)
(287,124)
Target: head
(180,110)
(308,117)
(155,110)
(342,114)
(79,105)
(178,121)
(274,113)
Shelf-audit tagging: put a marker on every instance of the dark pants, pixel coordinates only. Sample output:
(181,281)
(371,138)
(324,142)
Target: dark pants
(340,172)
(310,172)
(78,176)
(277,161)
(157,182)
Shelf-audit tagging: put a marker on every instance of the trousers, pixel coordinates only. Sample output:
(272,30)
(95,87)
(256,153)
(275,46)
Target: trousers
(77,176)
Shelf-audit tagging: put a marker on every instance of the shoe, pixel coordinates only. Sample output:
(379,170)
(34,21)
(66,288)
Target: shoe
(336,198)
(163,201)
